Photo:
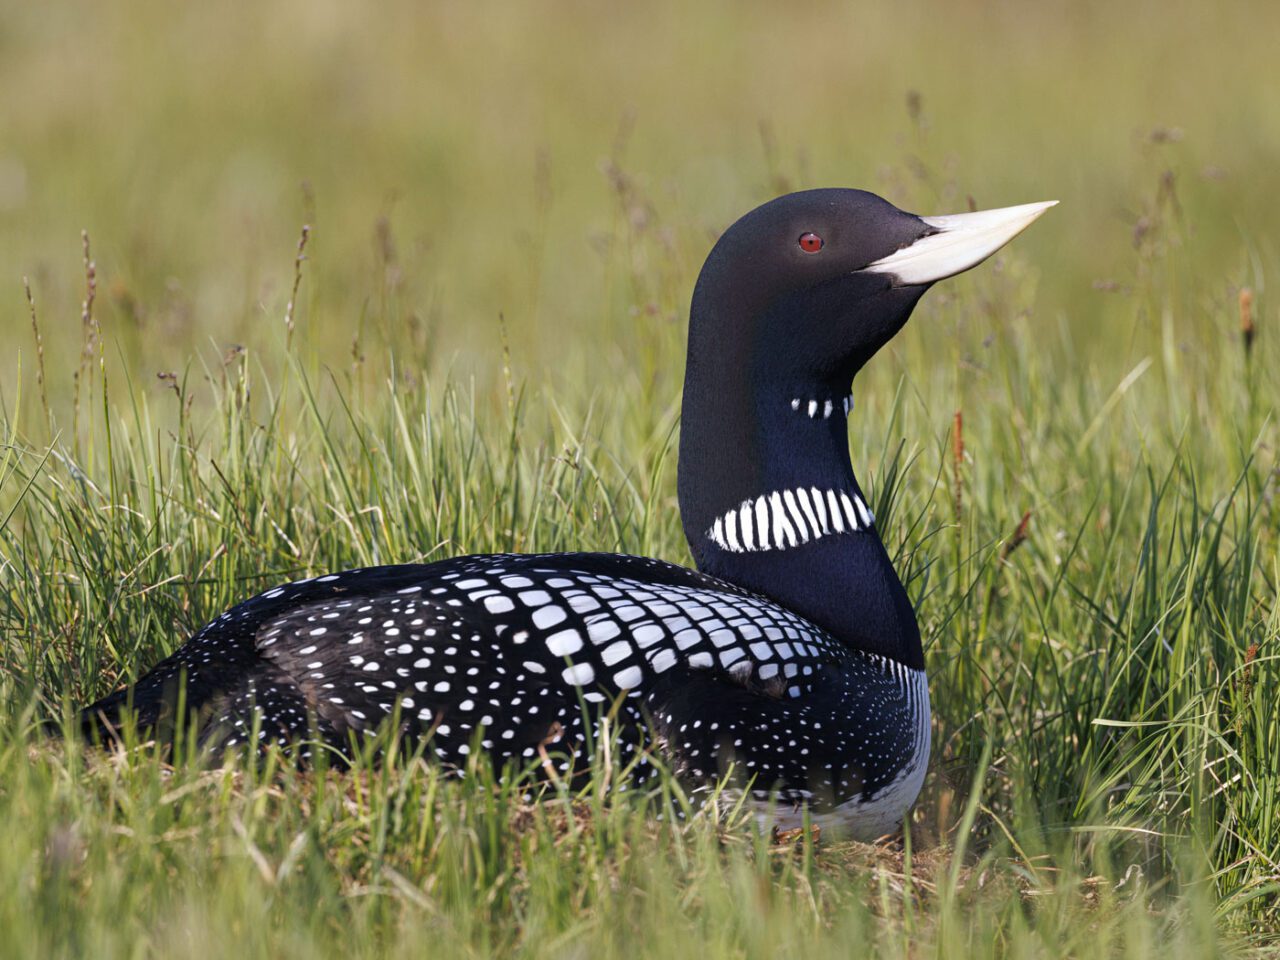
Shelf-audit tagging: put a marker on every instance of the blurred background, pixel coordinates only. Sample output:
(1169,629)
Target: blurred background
(319,285)
(567,165)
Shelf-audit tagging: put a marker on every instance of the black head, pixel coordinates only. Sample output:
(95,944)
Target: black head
(809,286)
(785,293)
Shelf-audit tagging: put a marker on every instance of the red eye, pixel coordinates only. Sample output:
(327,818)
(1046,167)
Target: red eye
(810,242)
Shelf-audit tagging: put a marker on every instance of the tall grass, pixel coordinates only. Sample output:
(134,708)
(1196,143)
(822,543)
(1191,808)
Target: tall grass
(1071,453)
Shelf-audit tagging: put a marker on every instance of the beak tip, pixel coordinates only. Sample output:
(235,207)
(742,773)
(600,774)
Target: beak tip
(959,241)
(1034,211)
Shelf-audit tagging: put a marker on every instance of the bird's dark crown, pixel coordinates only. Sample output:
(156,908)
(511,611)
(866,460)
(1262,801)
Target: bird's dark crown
(764,303)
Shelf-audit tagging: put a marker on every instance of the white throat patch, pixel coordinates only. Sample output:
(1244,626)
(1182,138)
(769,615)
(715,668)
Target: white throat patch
(789,518)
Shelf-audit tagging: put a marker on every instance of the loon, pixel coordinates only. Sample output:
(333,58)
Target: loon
(790,658)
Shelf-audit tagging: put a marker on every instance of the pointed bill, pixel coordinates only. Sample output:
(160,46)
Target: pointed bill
(961,241)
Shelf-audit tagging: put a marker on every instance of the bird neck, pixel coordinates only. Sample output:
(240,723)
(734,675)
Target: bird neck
(769,500)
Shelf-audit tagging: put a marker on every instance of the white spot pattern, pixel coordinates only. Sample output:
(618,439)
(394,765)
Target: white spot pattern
(789,518)
(803,712)
(826,407)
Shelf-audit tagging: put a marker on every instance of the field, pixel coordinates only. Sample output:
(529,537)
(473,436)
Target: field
(475,343)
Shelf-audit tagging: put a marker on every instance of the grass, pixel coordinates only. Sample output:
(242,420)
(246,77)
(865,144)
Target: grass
(478,346)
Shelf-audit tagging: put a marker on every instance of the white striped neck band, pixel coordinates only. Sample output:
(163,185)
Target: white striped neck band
(789,518)
(822,409)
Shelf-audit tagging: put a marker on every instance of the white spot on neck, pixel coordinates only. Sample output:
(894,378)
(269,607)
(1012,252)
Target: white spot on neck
(822,407)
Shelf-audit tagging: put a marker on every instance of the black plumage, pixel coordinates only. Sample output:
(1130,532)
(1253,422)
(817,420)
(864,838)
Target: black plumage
(791,656)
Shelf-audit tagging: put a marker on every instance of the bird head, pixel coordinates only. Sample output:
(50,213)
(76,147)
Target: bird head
(807,287)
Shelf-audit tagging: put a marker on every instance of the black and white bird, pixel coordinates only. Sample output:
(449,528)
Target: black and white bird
(790,656)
